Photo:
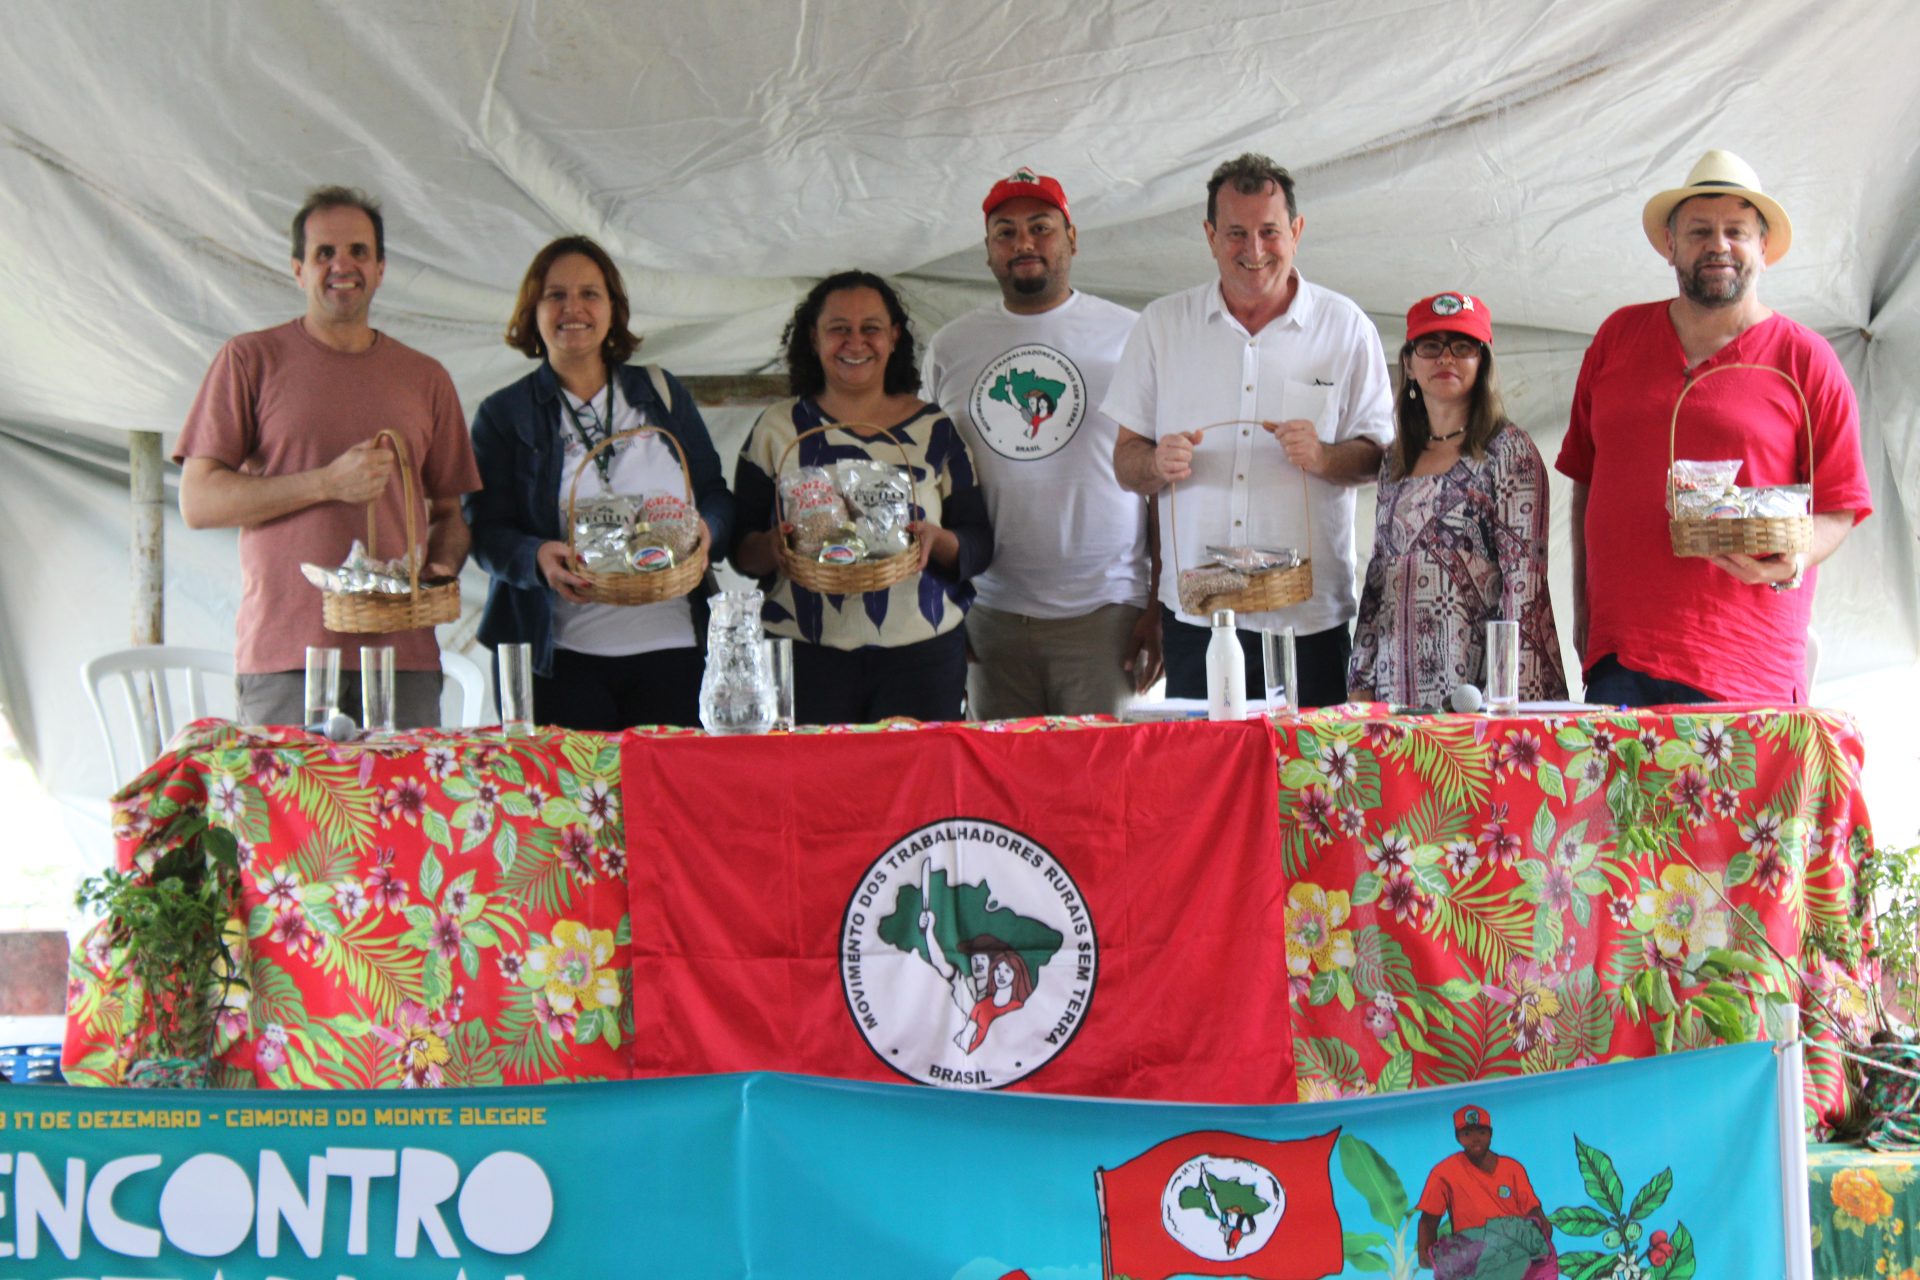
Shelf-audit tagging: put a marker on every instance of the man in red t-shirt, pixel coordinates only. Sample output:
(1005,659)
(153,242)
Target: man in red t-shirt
(1652,627)
(280,443)
(1471,1188)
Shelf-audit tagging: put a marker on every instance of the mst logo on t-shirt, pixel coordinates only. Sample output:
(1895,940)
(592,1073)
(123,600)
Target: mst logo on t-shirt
(1028,403)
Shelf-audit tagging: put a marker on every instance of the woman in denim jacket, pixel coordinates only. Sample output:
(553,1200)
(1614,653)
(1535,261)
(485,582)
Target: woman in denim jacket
(595,666)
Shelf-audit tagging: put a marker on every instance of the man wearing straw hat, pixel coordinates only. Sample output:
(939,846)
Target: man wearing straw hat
(1061,623)
(1652,627)
(1262,399)
(280,444)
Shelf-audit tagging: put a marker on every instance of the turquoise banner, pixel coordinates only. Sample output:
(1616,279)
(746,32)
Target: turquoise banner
(1658,1170)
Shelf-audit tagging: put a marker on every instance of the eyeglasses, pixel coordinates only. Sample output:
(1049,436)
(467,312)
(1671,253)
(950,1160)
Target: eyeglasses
(1462,348)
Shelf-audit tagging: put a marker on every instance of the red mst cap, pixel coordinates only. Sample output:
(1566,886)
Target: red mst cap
(1450,313)
(1470,1116)
(1025,182)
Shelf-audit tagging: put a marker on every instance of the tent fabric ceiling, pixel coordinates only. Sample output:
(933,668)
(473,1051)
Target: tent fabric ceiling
(726,153)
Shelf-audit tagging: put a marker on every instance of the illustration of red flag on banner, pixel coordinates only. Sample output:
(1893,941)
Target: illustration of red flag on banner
(1096,911)
(1220,1204)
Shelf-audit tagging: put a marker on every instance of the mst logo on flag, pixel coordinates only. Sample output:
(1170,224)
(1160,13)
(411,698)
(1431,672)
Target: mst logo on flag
(1221,1204)
(937,906)
(968,955)
(1028,403)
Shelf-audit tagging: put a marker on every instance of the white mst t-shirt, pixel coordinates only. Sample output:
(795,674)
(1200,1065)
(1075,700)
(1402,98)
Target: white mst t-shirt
(1025,392)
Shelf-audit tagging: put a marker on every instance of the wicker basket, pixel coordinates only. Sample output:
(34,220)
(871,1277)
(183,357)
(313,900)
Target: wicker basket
(1739,535)
(1269,588)
(842,579)
(371,613)
(636,588)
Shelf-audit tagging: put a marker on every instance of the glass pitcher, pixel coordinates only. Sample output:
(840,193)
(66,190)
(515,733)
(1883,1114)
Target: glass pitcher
(737,691)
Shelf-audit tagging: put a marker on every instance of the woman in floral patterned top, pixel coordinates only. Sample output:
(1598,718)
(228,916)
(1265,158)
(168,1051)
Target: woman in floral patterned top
(1461,533)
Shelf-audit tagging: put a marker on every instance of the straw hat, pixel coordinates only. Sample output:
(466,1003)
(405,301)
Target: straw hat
(1720,173)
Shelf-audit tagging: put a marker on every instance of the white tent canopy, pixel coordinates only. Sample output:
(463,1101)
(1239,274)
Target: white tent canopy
(152,155)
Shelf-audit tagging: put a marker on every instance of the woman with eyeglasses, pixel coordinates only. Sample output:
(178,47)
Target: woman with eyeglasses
(1460,538)
(595,666)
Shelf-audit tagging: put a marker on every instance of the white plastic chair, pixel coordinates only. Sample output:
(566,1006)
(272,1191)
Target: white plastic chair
(148,676)
(466,673)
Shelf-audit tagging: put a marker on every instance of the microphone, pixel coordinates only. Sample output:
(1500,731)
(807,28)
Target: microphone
(341,728)
(1465,697)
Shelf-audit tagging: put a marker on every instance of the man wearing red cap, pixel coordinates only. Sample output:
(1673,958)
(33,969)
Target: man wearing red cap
(1650,626)
(1471,1188)
(1060,620)
(1264,400)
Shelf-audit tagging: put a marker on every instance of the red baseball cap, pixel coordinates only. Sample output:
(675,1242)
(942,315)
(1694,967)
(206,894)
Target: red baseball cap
(1470,1116)
(1025,182)
(1450,313)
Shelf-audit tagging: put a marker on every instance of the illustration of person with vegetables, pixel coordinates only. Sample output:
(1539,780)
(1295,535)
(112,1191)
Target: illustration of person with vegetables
(1498,1229)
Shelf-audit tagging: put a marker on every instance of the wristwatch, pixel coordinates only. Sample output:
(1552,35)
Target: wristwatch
(1799,572)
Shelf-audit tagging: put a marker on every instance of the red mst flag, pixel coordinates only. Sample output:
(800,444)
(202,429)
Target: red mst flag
(1091,911)
(1219,1204)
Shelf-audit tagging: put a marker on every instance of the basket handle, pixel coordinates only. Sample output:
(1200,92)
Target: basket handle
(1173,508)
(906,460)
(1673,425)
(573,490)
(407,504)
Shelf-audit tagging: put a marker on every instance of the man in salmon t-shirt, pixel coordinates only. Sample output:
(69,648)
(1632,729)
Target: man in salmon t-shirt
(280,443)
(1652,627)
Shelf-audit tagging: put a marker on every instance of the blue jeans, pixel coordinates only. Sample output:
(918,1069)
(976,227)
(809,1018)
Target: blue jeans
(1611,684)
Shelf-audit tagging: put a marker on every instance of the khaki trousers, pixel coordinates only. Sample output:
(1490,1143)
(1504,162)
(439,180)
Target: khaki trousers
(1048,666)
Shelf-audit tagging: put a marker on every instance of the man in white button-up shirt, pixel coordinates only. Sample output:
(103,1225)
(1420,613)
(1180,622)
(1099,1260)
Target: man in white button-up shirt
(1262,400)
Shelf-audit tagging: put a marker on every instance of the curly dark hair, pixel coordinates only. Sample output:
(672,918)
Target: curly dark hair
(335,197)
(1251,174)
(805,374)
(523,330)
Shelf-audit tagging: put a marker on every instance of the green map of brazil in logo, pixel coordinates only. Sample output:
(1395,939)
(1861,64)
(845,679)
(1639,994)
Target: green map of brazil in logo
(1028,403)
(968,956)
(1034,396)
(1222,1208)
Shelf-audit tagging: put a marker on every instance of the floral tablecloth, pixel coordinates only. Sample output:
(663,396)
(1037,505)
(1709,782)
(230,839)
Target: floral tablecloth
(1865,1207)
(1481,896)
(1470,897)
(435,908)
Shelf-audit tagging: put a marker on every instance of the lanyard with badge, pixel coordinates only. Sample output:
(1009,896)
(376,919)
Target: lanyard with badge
(594,431)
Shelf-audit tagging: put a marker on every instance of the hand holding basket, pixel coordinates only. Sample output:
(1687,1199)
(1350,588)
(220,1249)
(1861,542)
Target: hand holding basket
(842,579)
(1267,589)
(422,606)
(636,588)
(1738,535)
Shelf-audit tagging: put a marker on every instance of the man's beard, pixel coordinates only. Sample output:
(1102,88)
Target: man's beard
(1032,284)
(1720,291)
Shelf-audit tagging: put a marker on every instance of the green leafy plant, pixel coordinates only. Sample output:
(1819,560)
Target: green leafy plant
(170,924)
(1732,994)
(1386,1198)
(1627,1251)
(1889,891)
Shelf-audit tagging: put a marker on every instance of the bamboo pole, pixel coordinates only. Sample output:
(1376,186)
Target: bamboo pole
(147,543)
(149,537)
